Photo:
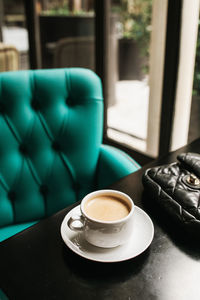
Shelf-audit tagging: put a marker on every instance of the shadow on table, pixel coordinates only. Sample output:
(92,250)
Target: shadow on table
(185,241)
(100,272)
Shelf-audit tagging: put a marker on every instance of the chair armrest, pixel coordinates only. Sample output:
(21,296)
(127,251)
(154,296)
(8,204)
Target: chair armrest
(113,164)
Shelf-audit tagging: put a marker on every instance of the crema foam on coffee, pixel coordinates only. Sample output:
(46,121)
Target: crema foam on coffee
(106,208)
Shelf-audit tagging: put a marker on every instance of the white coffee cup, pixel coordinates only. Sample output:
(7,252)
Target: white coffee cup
(106,218)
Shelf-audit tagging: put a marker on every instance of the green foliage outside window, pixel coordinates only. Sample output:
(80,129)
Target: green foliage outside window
(57,10)
(136,20)
(62,8)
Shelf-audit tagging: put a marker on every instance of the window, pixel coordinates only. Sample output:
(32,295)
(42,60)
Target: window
(133,92)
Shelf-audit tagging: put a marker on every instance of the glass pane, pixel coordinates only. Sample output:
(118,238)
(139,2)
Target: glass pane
(128,102)
(67,33)
(194,125)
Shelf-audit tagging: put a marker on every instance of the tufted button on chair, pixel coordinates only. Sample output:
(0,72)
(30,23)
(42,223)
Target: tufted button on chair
(51,151)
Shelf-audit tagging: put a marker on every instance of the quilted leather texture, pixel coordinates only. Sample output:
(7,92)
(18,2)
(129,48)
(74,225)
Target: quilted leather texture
(167,187)
(191,161)
(51,151)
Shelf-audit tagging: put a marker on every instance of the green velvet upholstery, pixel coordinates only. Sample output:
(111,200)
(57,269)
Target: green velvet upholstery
(3,296)
(51,151)
(12,229)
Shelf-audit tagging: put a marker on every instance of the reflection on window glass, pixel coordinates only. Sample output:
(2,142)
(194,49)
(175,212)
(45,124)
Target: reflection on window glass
(67,33)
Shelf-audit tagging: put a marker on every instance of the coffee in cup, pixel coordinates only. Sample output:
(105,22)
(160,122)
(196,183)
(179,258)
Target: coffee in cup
(106,218)
(106,208)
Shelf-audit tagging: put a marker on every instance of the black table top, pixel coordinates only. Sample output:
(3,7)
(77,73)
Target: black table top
(36,264)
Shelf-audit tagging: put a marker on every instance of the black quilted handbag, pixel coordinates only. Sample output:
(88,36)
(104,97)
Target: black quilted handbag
(176,188)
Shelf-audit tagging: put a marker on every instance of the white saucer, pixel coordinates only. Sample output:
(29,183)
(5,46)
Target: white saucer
(140,239)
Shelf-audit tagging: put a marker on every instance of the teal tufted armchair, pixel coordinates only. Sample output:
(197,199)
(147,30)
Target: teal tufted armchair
(51,151)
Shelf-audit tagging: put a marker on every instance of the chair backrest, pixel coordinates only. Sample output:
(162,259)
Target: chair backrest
(75,52)
(50,134)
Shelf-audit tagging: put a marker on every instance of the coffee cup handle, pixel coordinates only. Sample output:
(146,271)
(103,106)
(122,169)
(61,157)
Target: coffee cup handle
(76,223)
